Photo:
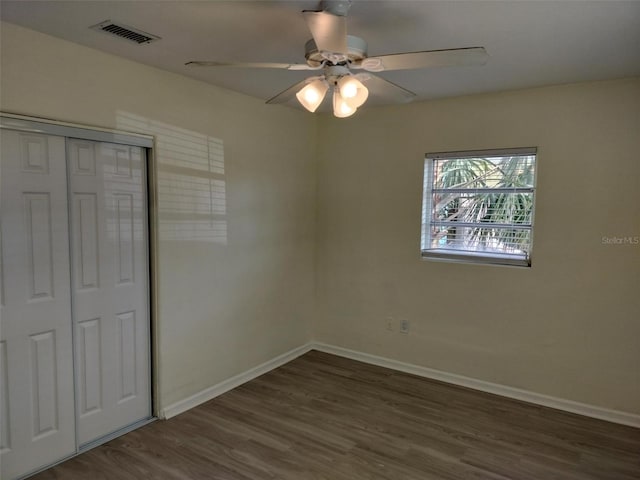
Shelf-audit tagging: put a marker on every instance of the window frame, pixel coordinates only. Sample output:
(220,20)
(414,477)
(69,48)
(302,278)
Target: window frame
(466,256)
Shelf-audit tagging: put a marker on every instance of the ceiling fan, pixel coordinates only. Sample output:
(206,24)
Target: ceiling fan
(334,54)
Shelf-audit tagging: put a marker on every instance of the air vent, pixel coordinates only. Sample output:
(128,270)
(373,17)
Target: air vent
(125,32)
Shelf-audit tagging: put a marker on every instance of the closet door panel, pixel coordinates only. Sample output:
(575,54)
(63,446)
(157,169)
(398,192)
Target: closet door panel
(109,224)
(37,423)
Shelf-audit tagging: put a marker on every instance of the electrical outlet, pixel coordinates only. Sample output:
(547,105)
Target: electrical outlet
(389,323)
(404,325)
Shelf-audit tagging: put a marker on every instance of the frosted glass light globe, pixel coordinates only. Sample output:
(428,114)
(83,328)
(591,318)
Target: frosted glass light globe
(349,89)
(353,91)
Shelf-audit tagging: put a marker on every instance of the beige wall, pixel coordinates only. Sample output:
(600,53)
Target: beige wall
(569,326)
(234,293)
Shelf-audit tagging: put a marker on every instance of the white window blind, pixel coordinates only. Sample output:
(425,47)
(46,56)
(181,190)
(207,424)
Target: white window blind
(478,206)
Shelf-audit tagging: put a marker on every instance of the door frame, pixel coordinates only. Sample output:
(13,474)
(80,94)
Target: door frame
(14,121)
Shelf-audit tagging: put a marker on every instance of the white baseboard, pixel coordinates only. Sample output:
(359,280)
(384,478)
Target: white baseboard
(231,383)
(587,410)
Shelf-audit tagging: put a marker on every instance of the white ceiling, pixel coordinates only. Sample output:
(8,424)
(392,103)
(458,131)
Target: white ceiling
(530,43)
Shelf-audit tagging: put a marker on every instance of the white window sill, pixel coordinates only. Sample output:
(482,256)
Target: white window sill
(484,258)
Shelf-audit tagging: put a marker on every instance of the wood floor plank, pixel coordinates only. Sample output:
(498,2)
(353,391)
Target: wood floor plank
(322,417)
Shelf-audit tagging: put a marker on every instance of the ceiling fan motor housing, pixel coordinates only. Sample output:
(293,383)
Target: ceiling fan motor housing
(356,51)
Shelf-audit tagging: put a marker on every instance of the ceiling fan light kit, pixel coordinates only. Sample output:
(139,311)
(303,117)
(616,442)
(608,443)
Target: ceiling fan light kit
(349,93)
(336,54)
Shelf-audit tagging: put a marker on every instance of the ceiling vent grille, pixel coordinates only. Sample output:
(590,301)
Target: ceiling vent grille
(125,32)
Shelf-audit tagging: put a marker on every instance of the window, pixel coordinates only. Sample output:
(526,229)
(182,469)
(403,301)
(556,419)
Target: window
(478,206)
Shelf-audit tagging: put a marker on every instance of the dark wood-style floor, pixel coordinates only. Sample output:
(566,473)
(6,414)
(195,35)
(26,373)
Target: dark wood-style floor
(326,417)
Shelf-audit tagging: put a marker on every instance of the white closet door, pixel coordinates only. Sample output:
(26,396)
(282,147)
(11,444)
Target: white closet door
(110,277)
(36,364)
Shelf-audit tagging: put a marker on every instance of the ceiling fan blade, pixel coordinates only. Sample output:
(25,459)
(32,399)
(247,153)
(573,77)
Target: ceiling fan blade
(379,87)
(329,31)
(431,58)
(283,66)
(288,94)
